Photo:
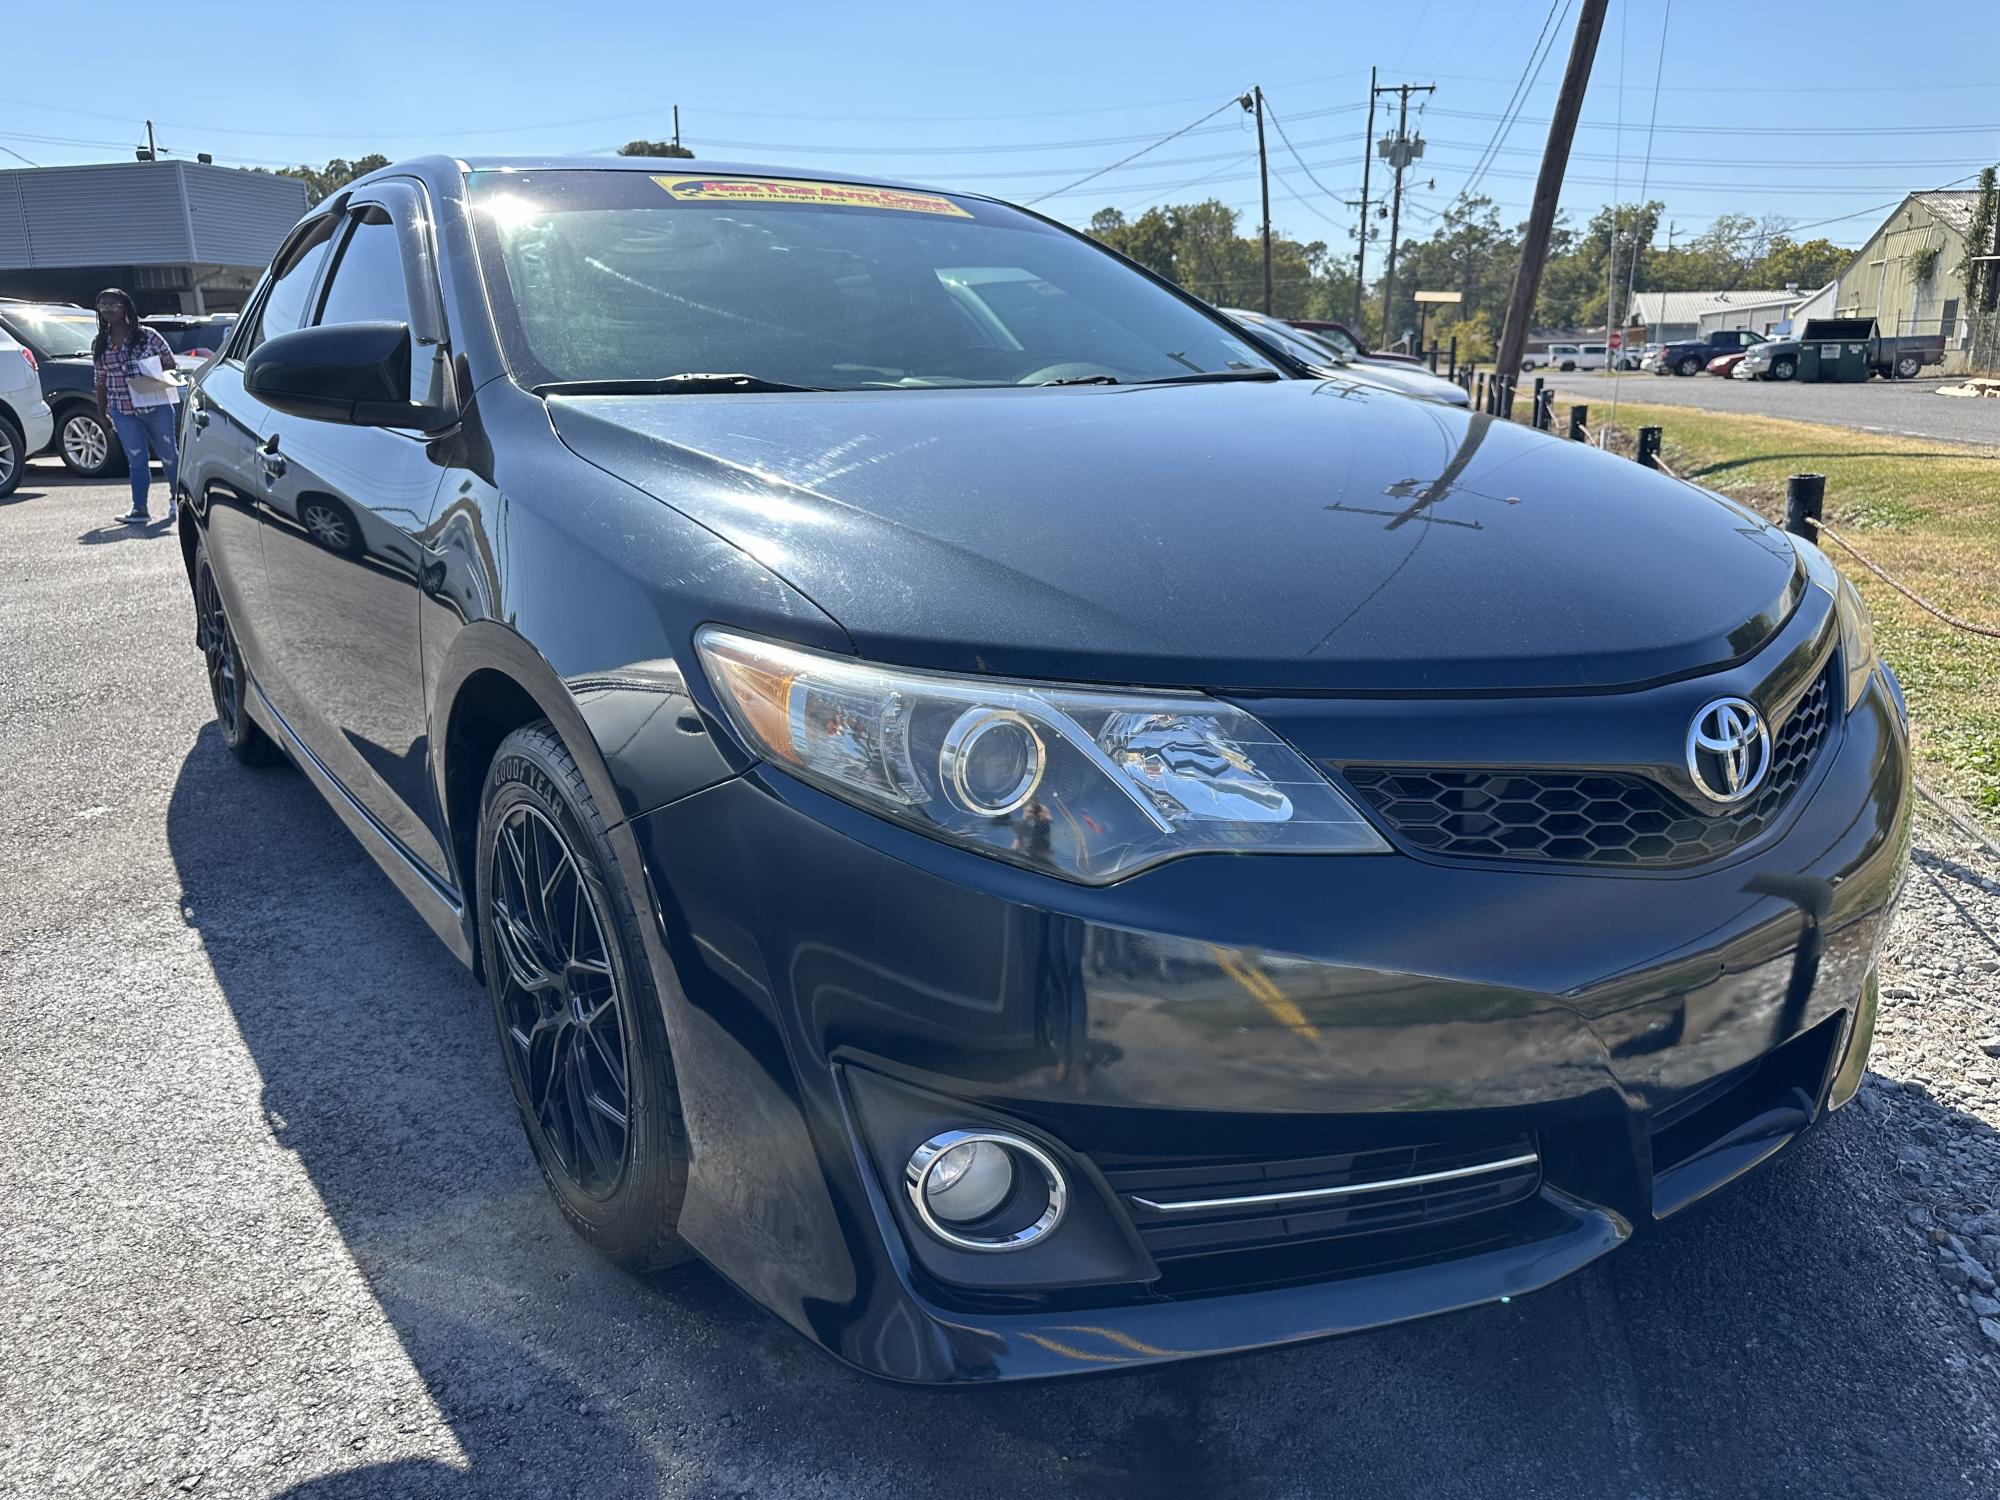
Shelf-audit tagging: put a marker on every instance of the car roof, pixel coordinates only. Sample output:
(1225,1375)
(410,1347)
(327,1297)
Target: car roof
(448,166)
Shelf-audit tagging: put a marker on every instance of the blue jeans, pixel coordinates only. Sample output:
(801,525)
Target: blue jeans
(149,426)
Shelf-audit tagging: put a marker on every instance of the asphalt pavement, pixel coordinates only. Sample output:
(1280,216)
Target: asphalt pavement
(268,1224)
(1905,408)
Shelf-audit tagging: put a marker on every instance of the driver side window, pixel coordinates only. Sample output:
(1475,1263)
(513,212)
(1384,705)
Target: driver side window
(284,306)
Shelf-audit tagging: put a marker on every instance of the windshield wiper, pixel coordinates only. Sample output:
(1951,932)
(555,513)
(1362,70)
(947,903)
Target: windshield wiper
(689,383)
(1082,380)
(1203,377)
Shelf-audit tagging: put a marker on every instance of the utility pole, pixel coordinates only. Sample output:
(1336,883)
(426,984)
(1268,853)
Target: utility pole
(1253,103)
(677,127)
(1400,152)
(1367,160)
(152,150)
(1548,187)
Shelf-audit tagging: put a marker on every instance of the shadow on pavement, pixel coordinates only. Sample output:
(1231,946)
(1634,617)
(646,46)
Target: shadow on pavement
(1780,1339)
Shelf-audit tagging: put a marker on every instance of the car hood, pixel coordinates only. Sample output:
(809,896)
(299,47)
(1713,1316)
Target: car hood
(1314,536)
(1411,380)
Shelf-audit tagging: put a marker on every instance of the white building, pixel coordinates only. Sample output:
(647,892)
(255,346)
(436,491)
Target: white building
(1667,316)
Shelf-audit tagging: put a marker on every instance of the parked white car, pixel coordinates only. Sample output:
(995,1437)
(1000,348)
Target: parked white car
(25,423)
(1567,357)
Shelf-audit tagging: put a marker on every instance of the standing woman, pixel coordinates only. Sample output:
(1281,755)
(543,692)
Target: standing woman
(144,419)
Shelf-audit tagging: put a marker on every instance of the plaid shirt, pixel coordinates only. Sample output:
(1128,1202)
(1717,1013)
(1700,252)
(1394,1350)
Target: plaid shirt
(114,368)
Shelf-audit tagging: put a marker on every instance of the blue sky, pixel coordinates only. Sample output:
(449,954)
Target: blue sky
(1022,100)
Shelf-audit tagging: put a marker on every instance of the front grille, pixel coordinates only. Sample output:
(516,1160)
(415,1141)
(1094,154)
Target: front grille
(1584,817)
(1207,1208)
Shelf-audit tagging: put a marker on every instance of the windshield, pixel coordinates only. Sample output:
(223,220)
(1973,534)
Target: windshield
(624,276)
(60,333)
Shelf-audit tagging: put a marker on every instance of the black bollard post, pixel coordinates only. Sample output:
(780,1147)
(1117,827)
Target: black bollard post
(1434,356)
(1454,357)
(1805,495)
(1579,418)
(1649,448)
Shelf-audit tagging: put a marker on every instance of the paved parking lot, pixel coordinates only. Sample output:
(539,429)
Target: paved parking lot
(1907,408)
(268,1224)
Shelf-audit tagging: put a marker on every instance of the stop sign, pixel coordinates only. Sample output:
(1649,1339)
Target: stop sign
(1617,339)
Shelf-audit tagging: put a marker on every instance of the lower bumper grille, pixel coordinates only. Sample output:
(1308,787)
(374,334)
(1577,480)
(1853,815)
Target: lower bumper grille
(1215,1207)
(1581,817)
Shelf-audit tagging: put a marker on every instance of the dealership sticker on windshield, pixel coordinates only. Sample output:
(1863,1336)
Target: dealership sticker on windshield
(787,190)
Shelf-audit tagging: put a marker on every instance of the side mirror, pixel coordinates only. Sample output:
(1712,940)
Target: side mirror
(358,373)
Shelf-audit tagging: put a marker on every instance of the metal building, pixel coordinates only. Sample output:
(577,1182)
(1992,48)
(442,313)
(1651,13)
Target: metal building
(180,236)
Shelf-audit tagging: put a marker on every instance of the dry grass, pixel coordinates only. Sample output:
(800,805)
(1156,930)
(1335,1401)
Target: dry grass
(1928,512)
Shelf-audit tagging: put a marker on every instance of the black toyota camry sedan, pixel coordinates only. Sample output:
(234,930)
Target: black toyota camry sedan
(1025,830)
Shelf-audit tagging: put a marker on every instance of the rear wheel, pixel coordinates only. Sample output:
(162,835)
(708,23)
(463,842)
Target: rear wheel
(577,1009)
(86,445)
(1907,366)
(228,683)
(13,457)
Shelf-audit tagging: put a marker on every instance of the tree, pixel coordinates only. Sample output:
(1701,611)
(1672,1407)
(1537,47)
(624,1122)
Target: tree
(1982,277)
(1808,265)
(324,182)
(1197,246)
(653,148)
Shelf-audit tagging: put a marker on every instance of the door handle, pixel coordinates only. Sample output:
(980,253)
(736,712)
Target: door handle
(198,416)
(270,460)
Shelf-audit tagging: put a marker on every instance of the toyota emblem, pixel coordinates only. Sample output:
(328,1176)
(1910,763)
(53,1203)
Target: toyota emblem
(1728,750)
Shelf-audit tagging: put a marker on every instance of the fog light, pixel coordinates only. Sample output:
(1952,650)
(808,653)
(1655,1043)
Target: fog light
(985,1190)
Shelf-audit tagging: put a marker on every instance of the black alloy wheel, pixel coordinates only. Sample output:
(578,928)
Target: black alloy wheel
(577,1005)
(561,1007)
(228,683)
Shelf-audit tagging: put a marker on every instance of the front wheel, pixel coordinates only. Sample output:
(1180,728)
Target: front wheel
(228,683)
(88,450)
(1783,369)
(576,1005)
(1688,366)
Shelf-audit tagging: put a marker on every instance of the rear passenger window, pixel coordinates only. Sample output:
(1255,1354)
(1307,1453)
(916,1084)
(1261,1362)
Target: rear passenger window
(285,303)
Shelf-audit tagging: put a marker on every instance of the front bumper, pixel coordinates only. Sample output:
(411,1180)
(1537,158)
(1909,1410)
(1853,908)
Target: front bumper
(841,978)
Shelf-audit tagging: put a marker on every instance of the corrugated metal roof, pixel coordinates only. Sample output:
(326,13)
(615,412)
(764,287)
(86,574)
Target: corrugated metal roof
(1687,307)
(1952,209)
(143,214)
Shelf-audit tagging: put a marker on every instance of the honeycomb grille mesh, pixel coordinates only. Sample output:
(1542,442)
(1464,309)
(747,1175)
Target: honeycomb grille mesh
(1583,817)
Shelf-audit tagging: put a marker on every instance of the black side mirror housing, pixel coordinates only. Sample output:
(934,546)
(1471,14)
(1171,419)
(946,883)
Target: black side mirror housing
(356,373)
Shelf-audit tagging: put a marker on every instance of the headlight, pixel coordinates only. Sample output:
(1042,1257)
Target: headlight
(1857,631)
(1084,783)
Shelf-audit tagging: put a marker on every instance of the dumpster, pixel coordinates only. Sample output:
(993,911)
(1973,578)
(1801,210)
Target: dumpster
(1836,349)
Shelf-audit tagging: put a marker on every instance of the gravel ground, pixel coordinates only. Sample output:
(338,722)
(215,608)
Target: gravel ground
(1906,408)
(268,1225)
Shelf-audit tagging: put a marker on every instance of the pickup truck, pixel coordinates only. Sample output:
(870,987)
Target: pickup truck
(1691,356)
(1893,356)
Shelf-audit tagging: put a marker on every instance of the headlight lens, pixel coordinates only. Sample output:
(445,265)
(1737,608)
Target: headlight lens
(1084,783)
(1857,630)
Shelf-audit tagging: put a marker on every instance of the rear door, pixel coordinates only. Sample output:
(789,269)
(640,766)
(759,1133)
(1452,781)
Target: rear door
(345,506)
(221,468)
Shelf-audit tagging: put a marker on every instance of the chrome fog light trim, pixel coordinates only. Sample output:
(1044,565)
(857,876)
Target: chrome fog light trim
(923,1165)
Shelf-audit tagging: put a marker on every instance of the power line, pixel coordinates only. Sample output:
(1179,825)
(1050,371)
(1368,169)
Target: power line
(1871,130)
(1510,116)
(1124,160)
(1297,158)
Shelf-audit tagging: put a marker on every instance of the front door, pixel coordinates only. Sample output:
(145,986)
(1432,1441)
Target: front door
(345,506)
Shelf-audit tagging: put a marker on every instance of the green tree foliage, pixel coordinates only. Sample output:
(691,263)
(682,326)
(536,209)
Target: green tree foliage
(653,148)
(1982,277)
(324,182)
(1198,246)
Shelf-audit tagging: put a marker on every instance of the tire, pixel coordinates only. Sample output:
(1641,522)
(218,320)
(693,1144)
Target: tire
(1908,366)
(1784,369)
(13,457)
(87,449)
(1688,366)
(228,679)
(576,1006)
(1568,366)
